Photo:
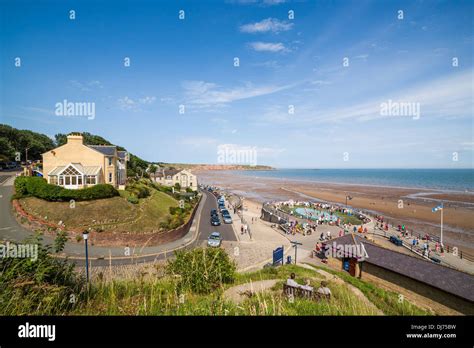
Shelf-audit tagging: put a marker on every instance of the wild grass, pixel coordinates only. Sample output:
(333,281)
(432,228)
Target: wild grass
(390,303)
(193,283)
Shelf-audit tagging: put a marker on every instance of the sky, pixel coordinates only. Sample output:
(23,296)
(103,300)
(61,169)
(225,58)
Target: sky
(292,84)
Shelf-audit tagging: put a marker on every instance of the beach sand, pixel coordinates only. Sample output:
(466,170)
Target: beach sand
(415,212)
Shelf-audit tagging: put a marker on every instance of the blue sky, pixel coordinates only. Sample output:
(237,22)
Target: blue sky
(337,120)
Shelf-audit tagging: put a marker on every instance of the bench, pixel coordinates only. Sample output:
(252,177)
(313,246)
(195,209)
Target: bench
(293,291)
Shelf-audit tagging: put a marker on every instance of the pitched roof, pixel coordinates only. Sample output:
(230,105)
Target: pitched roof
(108,150)
(171,172)
(122,154)
(85,170)
(447,279)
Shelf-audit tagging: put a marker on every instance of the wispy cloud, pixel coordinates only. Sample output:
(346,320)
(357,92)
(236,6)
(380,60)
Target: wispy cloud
(447,97)
(267,25)
(268,46)
(127,103)
(205,94)
(86,86)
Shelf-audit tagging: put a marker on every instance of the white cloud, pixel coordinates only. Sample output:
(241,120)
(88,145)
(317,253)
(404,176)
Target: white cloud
(206,94)
(362,56)
(268,46)
(447,97)
(147,100)
(127,103)
(320,82)
(86,86)
(267,25)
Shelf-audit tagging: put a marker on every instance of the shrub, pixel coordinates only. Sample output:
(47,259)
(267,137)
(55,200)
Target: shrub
(38,187)
(202,270)
(139,190)
(133,199)
(41,286)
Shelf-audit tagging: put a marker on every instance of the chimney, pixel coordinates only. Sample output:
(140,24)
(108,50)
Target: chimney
(74,139)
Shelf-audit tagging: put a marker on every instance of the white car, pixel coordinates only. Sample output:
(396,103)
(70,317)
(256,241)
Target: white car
(214,240)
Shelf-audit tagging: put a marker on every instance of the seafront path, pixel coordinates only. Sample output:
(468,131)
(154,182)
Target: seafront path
(380,237)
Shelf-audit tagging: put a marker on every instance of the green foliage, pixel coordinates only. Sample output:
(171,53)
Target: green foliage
(136,167)
(88,138)
(133,199)
(14,140)
(138,189)
(37,286)
(177,186)
(60,241)
(38,187)
(202,270)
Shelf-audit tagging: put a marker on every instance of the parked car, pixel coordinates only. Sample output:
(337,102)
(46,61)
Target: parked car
(213,212)
(214,240)
(227,218)
(222,208)
(225,212)
(215,221)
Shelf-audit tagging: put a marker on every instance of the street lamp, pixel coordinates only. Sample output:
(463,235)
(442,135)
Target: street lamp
(295,245)
(85,235)
(348,196)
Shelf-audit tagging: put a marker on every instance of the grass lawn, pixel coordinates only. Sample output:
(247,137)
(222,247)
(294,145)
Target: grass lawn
(107,214)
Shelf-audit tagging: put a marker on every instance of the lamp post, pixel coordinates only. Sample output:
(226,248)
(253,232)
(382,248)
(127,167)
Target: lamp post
(85,235)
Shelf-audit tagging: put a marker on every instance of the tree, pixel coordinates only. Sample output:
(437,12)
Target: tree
(152,170)
(60,241)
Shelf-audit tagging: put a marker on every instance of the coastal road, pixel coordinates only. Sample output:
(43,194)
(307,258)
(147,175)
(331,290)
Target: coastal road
(205,227)
(11,230)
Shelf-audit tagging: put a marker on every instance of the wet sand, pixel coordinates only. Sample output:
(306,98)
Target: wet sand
(408,206)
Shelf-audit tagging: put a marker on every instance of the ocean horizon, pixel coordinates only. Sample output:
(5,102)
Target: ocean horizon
(458,180)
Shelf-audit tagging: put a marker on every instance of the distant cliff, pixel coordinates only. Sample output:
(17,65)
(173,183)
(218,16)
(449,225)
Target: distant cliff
(203,167)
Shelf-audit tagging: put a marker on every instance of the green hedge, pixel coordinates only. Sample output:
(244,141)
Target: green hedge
(38,187)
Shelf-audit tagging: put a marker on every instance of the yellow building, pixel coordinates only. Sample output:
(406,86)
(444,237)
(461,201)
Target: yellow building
(75,165)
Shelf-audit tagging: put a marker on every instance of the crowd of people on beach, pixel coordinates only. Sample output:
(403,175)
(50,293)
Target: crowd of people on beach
(403,233)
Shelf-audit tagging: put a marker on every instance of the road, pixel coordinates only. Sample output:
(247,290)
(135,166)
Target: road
(205,227)
(99,256)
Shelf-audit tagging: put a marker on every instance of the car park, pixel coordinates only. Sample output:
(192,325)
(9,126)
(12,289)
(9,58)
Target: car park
(214,240)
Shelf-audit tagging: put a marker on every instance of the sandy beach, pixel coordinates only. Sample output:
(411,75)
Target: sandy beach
(415,210)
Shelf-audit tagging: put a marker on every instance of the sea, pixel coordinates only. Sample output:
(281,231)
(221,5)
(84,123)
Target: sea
(457,180)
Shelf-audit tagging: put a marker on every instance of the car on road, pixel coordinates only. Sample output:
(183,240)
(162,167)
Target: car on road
(214,240)
(227,218)
(213,212)
(222,207)
(215,221)
(225,212)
